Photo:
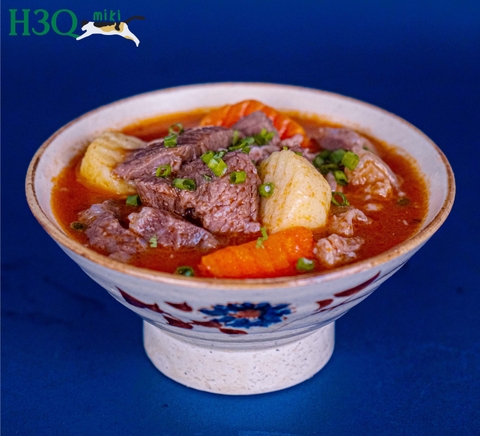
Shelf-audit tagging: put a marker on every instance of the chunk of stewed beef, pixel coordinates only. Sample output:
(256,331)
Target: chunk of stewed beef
(221,206)
(157,192)
(190,145)
(170,230)
(330,138)
(105,232)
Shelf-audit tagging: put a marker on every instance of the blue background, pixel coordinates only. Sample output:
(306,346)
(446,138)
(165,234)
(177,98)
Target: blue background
(407,360)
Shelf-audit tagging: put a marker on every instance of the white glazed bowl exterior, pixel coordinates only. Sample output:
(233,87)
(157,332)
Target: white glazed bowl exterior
(212,312)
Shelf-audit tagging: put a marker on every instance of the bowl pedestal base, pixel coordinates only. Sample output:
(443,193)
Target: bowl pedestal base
(239,372)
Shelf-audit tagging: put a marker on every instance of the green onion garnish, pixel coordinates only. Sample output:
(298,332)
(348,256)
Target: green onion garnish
(264,137)
(163,171)
(266,189)
(235,137)
(340,178)
(206,157)
(218,166)
(207,177)
(318,161)
(350,160)
(304,264)
(153,241)
(185,184)
(337,155)
(215,162)
(78,226)
(262,238)
(403,201)
(284,147)
(342,202)
(327,167)
(186,271)
(170,141)
(133,200)
(176,129)
(238,177)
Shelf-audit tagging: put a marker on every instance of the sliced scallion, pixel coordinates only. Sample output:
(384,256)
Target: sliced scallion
(163,171)
(176,129)
(350,160)
(262,238)
(343,200)
(327,167)
(266,189)
(337,155)
(238,177)
(340,178)
(133,200)
(186,271)
(153,241)
(170,141)
(304,264)
(78,226)
(235,137)
(185,184)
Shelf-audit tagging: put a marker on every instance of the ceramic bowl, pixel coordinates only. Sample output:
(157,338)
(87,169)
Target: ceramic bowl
(239,336)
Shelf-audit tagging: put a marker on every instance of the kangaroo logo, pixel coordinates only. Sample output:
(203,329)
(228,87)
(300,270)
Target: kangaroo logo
(110,28)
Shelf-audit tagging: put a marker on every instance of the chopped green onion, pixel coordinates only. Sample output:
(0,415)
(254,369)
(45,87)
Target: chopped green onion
(208,156)
(325,154)
(284,147)
(266,189)
(207,177)
(163,171)
(186,271)
(343,202)
(299,153)
(304,264)
(238,177)
(340,178)
(337,155)
(170,141)
(262,238)
(246,150)
(350,160)
(235,137)
(403,201)
(176,129)
(133,200)
(318,161)
(185,184)
(218,166)
(78,226)
(153,241)
(326,168)
(264,137)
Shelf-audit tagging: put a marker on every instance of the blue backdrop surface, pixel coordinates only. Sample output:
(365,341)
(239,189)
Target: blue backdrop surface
(407,360)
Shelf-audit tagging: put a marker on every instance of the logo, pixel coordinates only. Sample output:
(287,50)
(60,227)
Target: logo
(105,23)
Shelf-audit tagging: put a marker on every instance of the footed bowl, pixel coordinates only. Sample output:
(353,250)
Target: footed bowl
(239,336)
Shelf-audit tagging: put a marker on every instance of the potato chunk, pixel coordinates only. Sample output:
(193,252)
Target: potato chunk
(102,156)
(301,195)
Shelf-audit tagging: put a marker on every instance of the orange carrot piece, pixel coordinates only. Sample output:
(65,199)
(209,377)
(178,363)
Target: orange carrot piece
(228,115)
(278,257)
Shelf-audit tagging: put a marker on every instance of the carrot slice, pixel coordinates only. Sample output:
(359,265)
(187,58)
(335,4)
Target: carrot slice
(228,115)
(277,258)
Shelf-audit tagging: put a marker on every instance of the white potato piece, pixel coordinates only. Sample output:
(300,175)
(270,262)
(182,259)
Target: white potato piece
(102,156)
(301,195)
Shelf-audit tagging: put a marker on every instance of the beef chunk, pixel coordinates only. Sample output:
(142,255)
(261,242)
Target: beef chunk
(254,123)
(170,230)
(157,192)
(190,145)
(330,138)
(223,207)
(105,232)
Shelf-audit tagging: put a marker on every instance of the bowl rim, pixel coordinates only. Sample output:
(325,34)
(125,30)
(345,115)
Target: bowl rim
(236,284)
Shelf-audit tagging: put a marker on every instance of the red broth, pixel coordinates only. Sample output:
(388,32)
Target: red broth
(393,224)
